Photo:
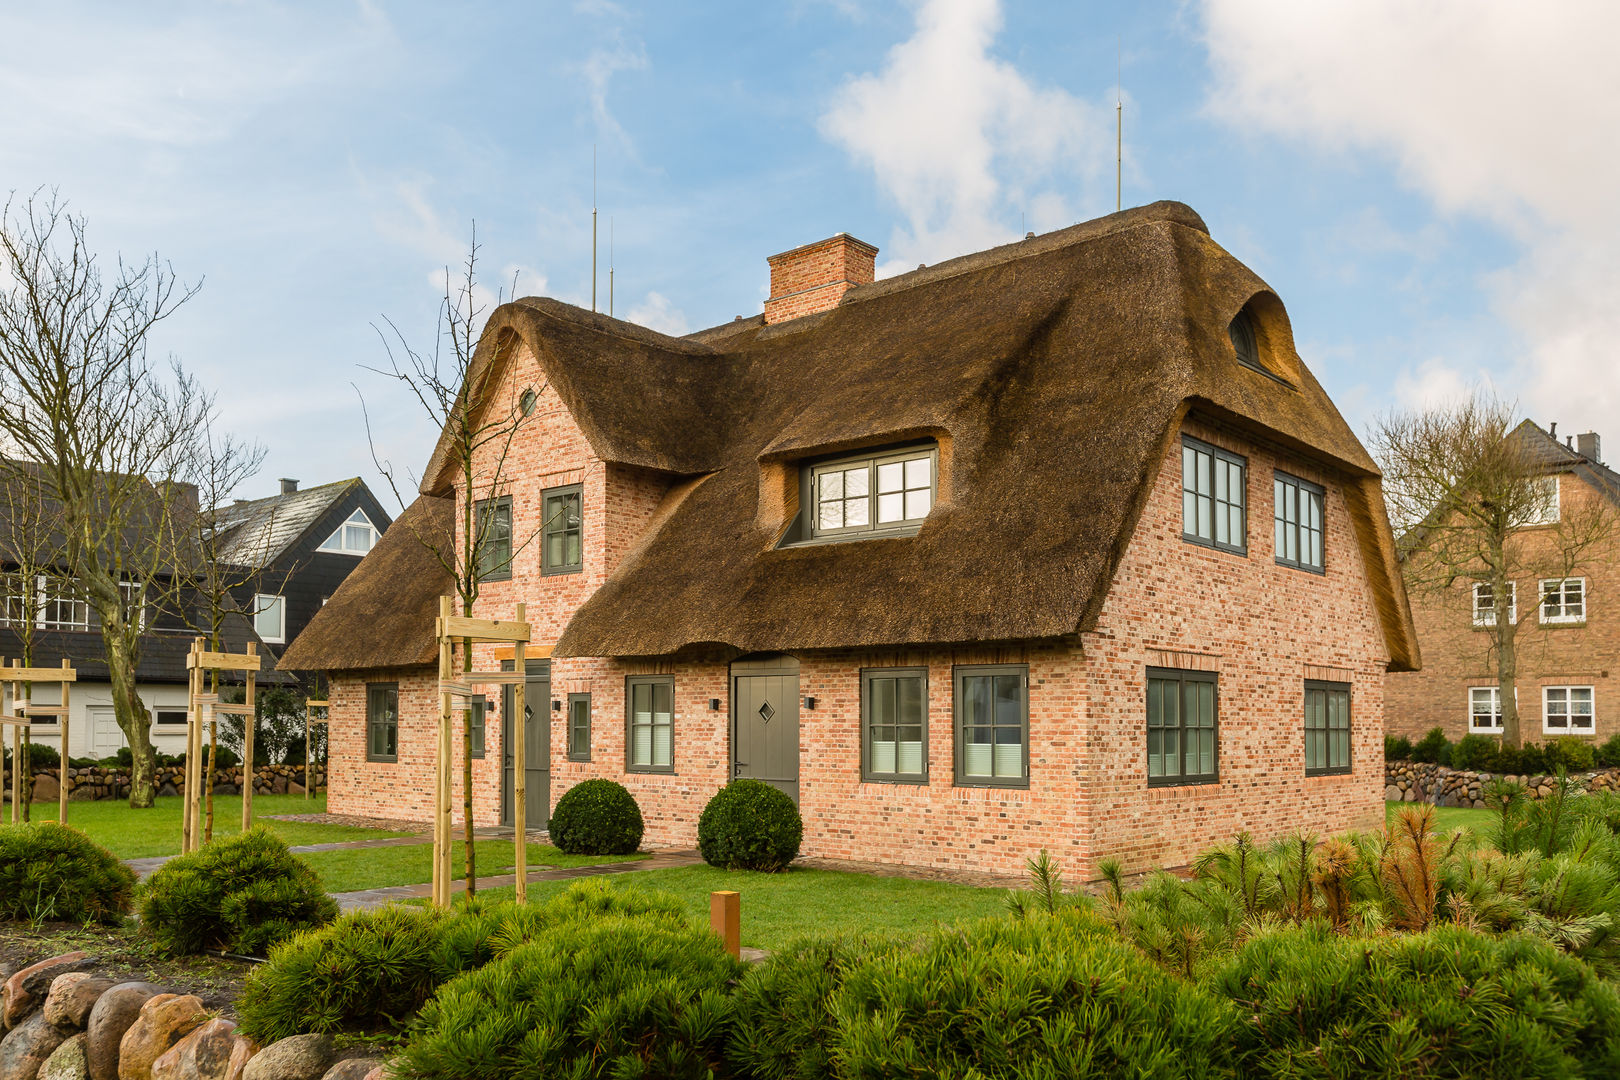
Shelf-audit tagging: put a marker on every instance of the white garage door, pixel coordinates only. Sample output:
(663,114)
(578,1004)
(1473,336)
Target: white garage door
(105,735)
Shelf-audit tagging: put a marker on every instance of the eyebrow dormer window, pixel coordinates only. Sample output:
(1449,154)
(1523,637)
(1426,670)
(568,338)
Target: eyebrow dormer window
(1244,342)
(890,492)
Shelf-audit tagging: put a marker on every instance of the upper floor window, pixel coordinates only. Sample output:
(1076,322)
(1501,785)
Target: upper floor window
(890,492)
(1298,510)
(355,536)
(1542,508)
(1214,502)
(1563,600)
(1244,341)
(561,547)
(270,618)
(492,524)
(134,594)
(46,601)
(1485,603)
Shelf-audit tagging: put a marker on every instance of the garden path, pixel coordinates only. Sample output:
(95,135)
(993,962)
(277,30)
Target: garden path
(375,898)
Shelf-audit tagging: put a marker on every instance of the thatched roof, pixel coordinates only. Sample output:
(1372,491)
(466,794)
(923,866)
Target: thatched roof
(1058,368)
(382,615)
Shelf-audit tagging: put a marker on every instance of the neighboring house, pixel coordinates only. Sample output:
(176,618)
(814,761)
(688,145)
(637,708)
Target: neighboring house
(66,628)
(1568,628)
(1058,545)
(288,553)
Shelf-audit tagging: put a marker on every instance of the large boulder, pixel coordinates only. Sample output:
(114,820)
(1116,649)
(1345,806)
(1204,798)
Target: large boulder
(353,1069)
(69,1062)
(241,1053)
(164,1020)
(27,1047)
(27,989)
(299,1057)
(114,1013)
(72,997)
(205,1054)
(46,789)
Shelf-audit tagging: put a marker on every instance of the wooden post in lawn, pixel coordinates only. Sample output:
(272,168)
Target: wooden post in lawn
(193,721)
(63,724)
(520,761)
(725,919)
(248,723)
(442,770)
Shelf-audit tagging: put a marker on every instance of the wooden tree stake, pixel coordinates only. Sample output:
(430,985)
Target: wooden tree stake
(520,763)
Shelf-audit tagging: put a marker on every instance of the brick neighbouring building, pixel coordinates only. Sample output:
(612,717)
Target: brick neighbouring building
(1034,592)
(1555,650)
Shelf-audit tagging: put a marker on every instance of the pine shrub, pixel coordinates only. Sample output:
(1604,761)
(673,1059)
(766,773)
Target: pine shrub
(597,817)
(239,895)
(1449,1003)
(750,825)
(51,871)
(1432,747)
(613,997)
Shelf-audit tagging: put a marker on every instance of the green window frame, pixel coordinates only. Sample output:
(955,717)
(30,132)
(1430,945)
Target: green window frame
(1298,513)
(1214,497)
(992,725)
(382,721)
(876,494)
(562,531)
(579,727)
(480,711)
(894,725)
(492,522)
(649,723)
(1327,728)
(1183,727)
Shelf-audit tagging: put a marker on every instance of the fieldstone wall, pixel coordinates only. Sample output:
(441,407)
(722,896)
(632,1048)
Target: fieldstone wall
(94,782)
(1412,781)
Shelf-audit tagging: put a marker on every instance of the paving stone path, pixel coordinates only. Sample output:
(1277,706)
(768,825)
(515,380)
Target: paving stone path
(375,898)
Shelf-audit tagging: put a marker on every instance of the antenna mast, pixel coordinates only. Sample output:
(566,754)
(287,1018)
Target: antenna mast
(593,226)
(610,266)
(1119,126)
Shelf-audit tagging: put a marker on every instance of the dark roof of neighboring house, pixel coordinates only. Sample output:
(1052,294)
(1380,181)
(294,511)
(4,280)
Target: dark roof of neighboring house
(382,615)
(31,520)
(258,532)
(1554,456)
(163,653)
(1057,368)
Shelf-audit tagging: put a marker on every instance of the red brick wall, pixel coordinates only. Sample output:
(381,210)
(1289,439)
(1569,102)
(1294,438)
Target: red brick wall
(1457,656)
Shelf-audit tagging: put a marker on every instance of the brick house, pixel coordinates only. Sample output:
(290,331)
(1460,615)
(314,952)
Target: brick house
(1054,545)
(1568,625)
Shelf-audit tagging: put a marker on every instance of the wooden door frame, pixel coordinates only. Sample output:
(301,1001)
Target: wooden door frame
(789,667)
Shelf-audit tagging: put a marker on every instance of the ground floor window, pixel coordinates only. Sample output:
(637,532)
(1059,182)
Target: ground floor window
(382,721)
(480,708)
(650,741)
(1567,710)
(894,724)
(1327,728)
(1182,738)
(1485,709)
(579,727)
(992,725)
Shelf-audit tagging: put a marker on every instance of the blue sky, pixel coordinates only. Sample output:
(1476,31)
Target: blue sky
(1420,183)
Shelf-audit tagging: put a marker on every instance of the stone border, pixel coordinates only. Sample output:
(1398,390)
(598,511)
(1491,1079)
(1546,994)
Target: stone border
(1440,785)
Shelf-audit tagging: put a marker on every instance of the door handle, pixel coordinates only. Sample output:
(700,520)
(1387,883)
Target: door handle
(736,770)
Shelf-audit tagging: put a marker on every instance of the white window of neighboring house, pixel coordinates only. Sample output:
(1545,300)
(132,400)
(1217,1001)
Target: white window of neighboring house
(1485,603)
(355,536)
(1563,600)
(59,606)
(1567,710)
(270,618)
(134,599)
(1546,512)
(1485,709)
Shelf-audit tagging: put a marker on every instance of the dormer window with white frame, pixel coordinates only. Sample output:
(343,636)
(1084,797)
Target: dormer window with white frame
(355,536)
(875,494)
(270,618)
(1485,603)
(1563,601)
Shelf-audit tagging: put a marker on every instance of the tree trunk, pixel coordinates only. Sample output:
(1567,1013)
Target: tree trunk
(133,720)
(1507,669)
(467,771)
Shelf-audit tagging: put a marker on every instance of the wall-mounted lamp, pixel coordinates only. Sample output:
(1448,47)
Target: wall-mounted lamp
(556,706)
(809,703)
(714,704)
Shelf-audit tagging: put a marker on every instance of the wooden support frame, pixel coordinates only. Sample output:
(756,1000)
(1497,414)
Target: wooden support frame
(201,710)
(24,709)
(309,736)
(450,628)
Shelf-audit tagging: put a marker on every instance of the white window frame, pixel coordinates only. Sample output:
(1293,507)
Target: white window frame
(1486,616)
(1561,587)
(131,592)
(1554,510)
(54,592)
(1494,701)
(1590,728)
(261,608)
(337,543)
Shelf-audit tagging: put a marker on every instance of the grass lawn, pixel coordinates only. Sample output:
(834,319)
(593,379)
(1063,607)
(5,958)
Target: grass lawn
(1447,818)
(139,834)
(776,908)
(371,868)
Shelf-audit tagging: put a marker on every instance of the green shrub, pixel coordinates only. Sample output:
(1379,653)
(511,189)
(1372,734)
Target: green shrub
(240,895)
(1476,752)
(1049,996)
(225,758)
(597,817)
(1399,748)
(749,825)
(1533,761)
(1574,754)
(371,971)
(125,757)
(1448,1003)
(1608,755)
(1429,748)
(40,757)
(614,997)
(50,871)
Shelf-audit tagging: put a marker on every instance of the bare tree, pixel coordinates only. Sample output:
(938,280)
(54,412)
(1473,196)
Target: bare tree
(1477,505)
(478,424)
(80,398)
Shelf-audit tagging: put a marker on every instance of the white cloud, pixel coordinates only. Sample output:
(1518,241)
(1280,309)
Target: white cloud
(962,141)
(1434,384)
(599,68)
(1493,108)
(657,313)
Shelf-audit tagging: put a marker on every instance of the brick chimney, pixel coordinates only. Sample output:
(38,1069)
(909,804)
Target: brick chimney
(1589,446)
(816,276)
